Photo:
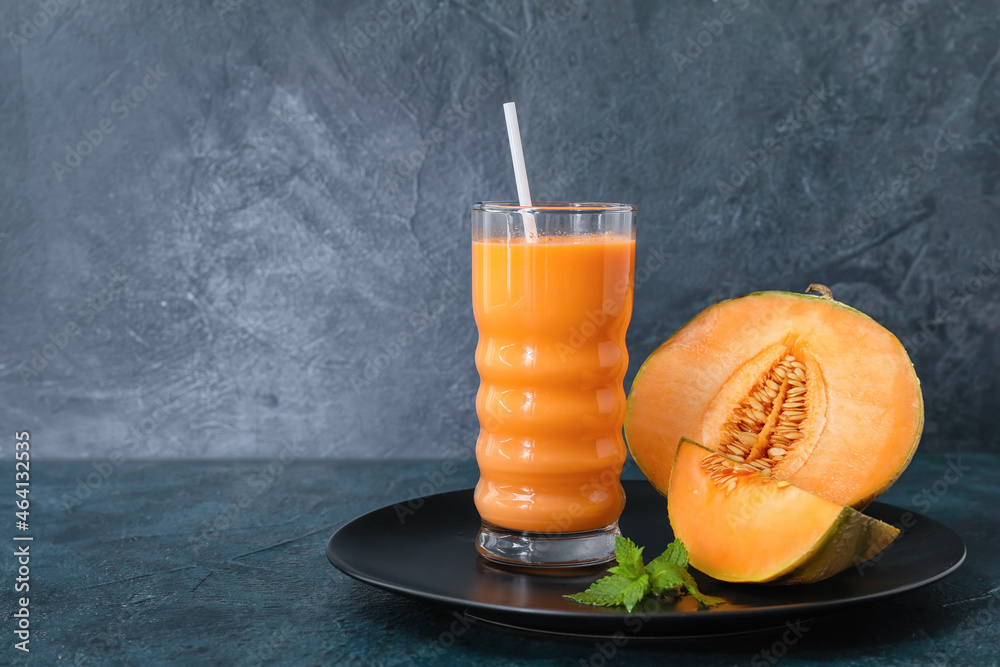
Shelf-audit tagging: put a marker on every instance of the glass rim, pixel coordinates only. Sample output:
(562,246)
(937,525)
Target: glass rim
(553,207)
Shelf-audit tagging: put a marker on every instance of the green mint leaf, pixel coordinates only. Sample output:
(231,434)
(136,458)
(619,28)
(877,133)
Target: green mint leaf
(665,570)
(629,557)
(664,577)
(630,581)
(635,591)
(676,553)
(614,591)
(692,588)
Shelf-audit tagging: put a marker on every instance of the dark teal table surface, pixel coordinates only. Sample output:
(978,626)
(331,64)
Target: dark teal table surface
(222,562)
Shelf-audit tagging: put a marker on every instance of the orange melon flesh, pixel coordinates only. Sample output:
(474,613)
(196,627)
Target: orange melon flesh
(764,530)
(863,411)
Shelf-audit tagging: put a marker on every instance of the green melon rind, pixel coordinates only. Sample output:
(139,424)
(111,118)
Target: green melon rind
(920,395)
(851,539)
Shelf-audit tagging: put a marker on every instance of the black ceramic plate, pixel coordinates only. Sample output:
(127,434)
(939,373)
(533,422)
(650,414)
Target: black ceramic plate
(429,554)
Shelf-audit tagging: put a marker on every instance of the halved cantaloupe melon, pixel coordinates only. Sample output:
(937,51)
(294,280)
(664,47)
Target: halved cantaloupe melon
(819,392)
(740,524)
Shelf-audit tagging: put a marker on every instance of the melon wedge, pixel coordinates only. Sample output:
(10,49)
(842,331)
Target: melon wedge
(822,393)
(743,526)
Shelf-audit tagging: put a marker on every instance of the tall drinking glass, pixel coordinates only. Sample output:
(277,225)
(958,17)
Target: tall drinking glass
(552,307)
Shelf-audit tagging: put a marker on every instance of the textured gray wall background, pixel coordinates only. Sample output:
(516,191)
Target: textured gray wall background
(284,193)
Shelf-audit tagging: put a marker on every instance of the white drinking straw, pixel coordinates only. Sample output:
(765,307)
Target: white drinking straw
(520,173)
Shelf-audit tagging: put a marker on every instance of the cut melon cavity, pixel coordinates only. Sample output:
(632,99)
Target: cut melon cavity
(740,524)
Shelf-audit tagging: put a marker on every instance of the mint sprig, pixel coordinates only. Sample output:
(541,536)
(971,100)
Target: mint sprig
(630,581)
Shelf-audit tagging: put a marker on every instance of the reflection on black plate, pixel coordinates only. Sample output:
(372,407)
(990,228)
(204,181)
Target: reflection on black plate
(429,554)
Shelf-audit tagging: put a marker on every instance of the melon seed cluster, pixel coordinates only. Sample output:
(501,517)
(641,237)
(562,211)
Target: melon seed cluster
(763,427)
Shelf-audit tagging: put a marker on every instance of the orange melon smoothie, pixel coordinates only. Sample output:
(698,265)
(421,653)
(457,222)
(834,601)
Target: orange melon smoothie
(552,315)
